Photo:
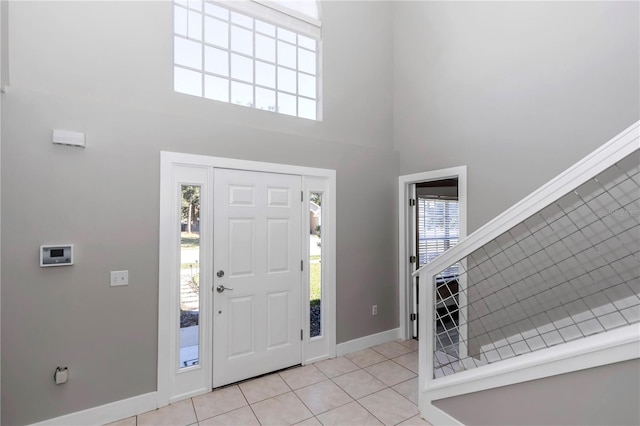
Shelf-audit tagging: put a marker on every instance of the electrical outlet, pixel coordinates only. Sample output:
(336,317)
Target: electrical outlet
(119,278)
(374,310)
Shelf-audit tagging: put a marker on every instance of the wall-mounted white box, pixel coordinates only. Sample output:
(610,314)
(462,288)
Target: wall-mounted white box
(67,137)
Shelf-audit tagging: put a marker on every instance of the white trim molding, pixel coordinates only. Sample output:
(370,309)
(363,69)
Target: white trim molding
(175,383)
(106,413)
(601,349)
(616,149)
(143,403)
(365,342)
(322,346)
(404,183)
(282,13)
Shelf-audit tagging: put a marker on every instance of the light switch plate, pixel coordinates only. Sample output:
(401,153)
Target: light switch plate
(119,278)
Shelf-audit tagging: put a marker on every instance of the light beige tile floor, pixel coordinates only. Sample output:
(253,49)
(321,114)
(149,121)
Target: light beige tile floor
(376,386)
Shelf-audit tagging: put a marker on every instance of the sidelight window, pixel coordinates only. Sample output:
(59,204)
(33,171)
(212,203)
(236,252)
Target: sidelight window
(315,264)
(189,284)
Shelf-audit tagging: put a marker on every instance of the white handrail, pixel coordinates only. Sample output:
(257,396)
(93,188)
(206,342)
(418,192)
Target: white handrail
(555,360)
(608,154)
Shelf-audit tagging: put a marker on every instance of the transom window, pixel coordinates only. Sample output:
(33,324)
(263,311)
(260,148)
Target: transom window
(223,52)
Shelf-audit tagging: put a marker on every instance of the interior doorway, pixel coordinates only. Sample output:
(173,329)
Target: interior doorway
(432,218)
(435,230)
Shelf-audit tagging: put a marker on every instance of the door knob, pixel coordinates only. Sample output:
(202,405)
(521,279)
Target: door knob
(220,273)
(222,288)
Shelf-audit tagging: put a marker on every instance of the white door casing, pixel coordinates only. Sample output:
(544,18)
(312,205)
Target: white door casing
(176,382)
(412,217)
(257,311)
(405,219)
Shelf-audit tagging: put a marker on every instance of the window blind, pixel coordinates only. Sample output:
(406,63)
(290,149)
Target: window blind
(438,229)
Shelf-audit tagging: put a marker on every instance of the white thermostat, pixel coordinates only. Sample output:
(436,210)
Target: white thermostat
(56,255)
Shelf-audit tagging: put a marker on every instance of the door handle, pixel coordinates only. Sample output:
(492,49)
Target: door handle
(222,288)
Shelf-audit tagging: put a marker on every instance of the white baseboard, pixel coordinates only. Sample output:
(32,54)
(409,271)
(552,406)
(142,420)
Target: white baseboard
(187,395)
(365,342)
(141,404)
(107,413)
(316,359)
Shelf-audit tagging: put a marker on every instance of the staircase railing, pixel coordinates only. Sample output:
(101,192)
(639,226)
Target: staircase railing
(540,289)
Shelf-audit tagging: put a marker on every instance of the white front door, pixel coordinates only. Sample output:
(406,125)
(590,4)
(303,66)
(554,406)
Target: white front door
(257,309)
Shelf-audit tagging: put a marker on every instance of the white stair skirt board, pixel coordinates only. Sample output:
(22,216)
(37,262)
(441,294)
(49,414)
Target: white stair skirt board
(601,349)
(365,342)
(107,413)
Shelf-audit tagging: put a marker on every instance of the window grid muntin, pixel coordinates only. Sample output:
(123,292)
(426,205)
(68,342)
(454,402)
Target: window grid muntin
(301,43)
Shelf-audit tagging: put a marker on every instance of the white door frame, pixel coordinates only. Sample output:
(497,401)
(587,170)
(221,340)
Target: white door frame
(404,273)
(175,384)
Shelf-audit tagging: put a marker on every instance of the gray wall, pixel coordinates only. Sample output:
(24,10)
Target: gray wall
(449,84)
(517,91)
(105,68)
(605,395)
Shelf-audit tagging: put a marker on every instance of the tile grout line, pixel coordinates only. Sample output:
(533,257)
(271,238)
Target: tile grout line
(345,391)
(402,396)
(354,399)
(305,405)
(253,411)
(339,387)
(357,401)
(195,413)
(387,387)
(249,405)
(391,387)
(332,380)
